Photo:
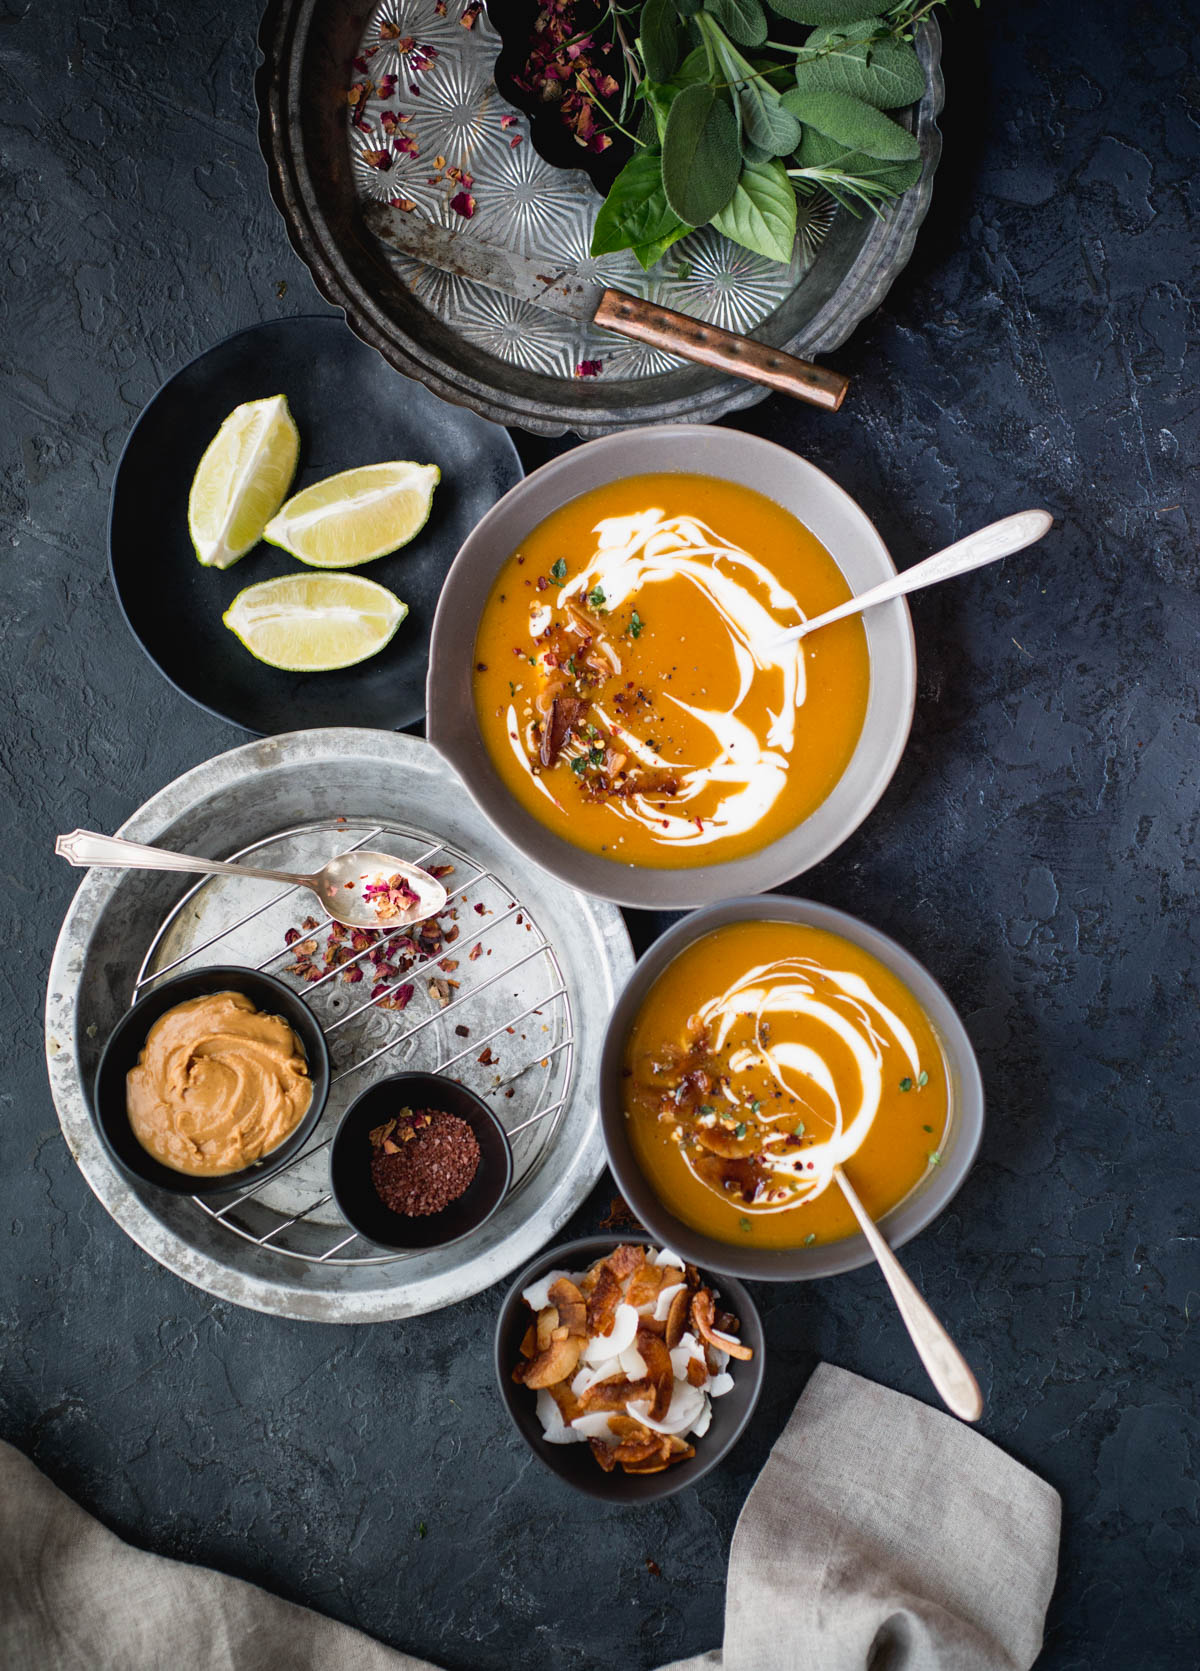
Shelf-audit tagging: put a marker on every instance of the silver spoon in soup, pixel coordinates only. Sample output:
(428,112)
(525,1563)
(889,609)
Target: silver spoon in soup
(985,545)
(360,889)
(945,1365)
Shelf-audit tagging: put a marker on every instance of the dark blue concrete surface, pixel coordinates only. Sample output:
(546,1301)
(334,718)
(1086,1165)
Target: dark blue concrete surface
(1037,850)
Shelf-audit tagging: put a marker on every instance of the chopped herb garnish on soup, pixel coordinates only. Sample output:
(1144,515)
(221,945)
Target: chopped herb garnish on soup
(558,568)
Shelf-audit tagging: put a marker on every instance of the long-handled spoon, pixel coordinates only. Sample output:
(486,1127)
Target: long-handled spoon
(338,885)
(947,1368)
(985,545)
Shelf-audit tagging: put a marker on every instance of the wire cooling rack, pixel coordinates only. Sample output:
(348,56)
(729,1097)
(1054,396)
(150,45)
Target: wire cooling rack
(491,1007)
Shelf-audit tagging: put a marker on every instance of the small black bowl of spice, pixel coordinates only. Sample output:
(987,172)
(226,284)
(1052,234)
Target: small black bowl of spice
(419,1161)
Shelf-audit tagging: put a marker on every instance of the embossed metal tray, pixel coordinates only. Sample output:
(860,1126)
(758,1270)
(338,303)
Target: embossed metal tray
(329,132)
(537,968)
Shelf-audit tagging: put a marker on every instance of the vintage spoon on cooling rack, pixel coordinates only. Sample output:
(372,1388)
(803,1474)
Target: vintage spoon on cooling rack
(985,545)
(945,1365)
(338,885)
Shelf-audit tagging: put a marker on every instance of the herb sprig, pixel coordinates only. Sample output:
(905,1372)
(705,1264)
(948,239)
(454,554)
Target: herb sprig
(733,126)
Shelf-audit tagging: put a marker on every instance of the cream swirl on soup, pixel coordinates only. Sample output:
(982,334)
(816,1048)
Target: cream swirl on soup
(746,758)
(630,686)
(841,1008)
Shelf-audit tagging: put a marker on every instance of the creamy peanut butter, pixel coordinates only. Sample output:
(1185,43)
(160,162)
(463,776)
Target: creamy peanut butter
(217,1085)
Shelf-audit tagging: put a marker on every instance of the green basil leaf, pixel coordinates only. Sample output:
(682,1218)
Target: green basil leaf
(886,73)
(744,20)
(761,214)
(635,212)
(659,39)
(852,125)
(650,254)
(817,11)
(700,158)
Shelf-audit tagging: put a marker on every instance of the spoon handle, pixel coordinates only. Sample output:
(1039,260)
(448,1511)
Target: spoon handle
(101,852)
(947,1368)
(985,545)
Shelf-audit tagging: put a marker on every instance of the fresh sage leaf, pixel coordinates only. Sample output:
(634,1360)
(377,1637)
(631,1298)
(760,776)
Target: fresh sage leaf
(852,125)
(687,8)
(658,40)
(884,73)
(700,157)
(850,177)
(765,128)
(761,214)
(817,11)
(743,20)
(636,214)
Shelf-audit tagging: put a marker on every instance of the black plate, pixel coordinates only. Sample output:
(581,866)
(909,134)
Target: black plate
(351,408)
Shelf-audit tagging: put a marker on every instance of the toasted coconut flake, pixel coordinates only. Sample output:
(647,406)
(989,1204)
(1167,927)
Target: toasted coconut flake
(555,1364)
(615,1393)
(529,1344)
(570,1306)
(603,1300)
(702,1321)
(626,1259)
(644,1285)
(677,1317)
(547,1322)
(603,1454)
(659,1371)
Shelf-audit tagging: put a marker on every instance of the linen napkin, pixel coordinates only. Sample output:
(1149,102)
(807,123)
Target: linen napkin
(880,1536)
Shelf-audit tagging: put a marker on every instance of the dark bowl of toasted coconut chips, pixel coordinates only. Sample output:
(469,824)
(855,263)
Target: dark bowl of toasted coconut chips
(628,1372)
(419,1161)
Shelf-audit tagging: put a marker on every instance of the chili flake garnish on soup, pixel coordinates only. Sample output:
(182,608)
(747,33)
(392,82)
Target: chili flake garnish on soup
(766,1054)
(629,682)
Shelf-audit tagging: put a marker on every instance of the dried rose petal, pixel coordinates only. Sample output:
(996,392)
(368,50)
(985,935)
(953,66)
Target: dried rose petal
(463,204)
(589,368)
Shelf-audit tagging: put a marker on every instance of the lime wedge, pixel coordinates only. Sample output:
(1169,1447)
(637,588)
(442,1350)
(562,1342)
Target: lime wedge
(311,623)
(357,516)
(241,480)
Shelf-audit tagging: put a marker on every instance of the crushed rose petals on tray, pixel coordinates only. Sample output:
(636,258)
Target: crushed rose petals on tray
(422,1161)
(381,955)
(627,1357)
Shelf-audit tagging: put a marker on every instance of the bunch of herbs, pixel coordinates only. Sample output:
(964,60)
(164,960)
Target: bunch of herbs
(730,126)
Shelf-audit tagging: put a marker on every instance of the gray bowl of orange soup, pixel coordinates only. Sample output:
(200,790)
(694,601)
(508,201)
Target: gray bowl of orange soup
(758,1043)
(605,672)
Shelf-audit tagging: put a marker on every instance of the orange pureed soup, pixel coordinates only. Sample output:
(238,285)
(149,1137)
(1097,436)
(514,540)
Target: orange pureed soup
(766,1054)
(628,687)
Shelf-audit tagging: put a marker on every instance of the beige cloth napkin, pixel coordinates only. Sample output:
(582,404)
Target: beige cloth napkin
(880,1536)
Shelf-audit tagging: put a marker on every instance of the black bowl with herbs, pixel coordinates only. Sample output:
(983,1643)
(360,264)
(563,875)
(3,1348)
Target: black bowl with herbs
(419,1161)
(574,1463)
(109,1109)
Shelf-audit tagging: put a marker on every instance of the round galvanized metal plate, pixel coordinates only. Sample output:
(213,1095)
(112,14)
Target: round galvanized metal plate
(399,103)
(518,1012)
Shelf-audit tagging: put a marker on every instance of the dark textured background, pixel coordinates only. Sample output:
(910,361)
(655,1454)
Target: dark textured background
(1037,849)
